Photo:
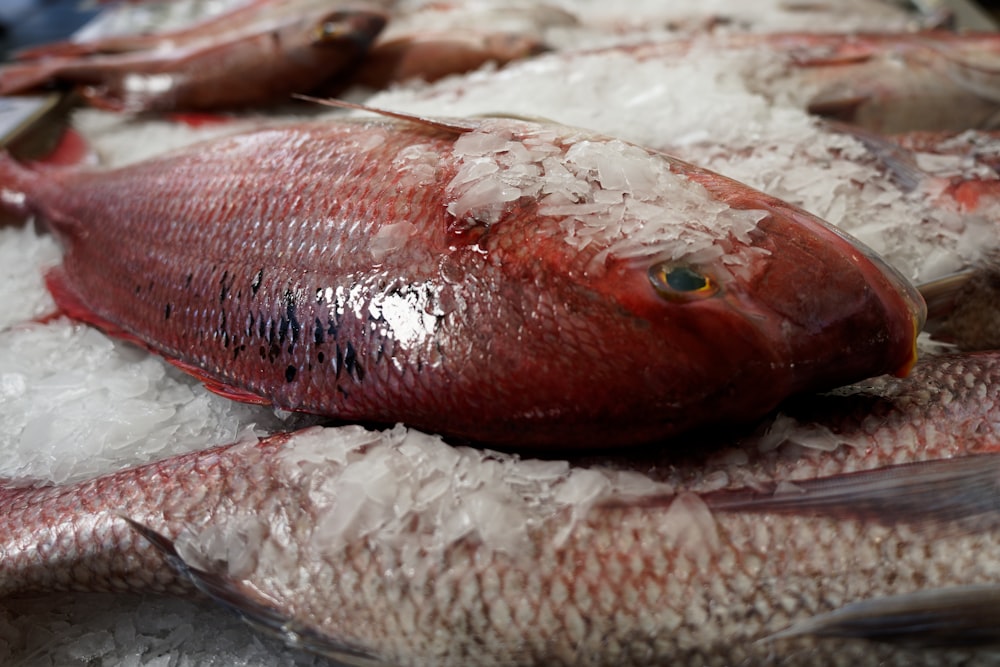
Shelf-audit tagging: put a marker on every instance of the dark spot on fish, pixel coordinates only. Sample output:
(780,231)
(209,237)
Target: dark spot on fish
(187,281)
(290,373)
(225,339)
(138,288)
(318,336)
(166,312)
(331,328)
(237,350)
(351,363)
(255,283)
(224,292)
(262,327)
(321,357)
(282,329)
(291,314)
(273,352)
(263,352)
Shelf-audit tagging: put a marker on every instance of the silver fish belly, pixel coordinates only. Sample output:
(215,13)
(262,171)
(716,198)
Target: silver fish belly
(394,548)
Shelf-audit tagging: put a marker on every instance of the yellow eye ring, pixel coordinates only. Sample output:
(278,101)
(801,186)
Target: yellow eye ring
(678,282)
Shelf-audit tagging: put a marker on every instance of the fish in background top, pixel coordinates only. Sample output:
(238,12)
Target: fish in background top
(865,514)
(257,54)
(498,281)
(885,82)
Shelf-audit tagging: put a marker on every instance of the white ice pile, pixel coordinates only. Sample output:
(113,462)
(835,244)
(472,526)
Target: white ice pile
(623,200)
(412,494)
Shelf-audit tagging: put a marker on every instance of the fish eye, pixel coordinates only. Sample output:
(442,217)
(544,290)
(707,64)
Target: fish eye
(330,28)
(679,282)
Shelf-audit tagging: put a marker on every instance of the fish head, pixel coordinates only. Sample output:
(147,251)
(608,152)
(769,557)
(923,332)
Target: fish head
(697,298)
(355,27)
(778,302)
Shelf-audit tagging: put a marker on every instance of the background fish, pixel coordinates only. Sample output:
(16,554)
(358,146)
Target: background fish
(501,281)
(261,63)
(394,548)
(888,82)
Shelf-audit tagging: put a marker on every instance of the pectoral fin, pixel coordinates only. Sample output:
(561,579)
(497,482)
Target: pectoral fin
(963,489)
(257,610)
(959,617)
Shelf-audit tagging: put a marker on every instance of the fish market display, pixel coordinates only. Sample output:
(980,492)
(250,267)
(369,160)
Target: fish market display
(859,551)
(403,550)
(252,58)
(503,281)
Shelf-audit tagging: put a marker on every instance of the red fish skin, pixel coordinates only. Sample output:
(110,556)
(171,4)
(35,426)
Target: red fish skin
(946,408)
(259,67)
(498,334)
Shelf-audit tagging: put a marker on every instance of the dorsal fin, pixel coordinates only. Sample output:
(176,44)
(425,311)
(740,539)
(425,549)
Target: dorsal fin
(453,125)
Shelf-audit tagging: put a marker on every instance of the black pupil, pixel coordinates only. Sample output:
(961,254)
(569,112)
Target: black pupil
(683,279)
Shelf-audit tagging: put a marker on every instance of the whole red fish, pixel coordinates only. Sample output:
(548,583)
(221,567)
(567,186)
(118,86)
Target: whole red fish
(500,281)
(869,513)
(271,52)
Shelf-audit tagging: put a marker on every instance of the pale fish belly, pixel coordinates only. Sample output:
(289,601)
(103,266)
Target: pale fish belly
(394,548)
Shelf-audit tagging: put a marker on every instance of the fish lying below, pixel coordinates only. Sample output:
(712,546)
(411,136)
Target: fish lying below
(394,548)
(495,280)
(294,48)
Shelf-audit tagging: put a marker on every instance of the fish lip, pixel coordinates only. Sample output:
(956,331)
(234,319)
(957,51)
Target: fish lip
(908,294)
(864,322)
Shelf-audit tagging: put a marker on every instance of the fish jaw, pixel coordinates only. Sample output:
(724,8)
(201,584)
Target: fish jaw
(862,321)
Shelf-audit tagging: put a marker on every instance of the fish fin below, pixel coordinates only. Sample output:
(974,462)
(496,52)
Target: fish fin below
(255,609)
(958,617)
(71,305)
(960,492)
(453,125)
(898,161)
(217,386)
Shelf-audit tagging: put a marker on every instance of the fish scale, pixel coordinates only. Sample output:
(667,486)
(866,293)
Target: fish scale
(319,536)
(496,280)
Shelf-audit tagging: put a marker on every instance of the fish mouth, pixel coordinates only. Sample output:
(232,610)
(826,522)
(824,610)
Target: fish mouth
(835,311)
